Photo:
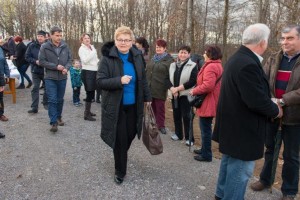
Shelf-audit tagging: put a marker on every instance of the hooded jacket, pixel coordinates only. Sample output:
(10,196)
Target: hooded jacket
(51,56)
(109,75)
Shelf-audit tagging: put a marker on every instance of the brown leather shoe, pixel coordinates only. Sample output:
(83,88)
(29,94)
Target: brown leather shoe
(3,118)
(258,186)
(53,128)
(60,122)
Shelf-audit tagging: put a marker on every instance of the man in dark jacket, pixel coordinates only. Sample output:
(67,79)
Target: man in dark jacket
(55,57)
(283,72)
(244,108)
(37,72)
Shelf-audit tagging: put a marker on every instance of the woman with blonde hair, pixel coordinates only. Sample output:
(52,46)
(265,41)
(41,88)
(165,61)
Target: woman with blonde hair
(121,76)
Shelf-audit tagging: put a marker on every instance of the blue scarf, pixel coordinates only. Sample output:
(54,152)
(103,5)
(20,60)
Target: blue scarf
(157,57)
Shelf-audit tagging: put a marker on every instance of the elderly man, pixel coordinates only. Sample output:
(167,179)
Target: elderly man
(283,71)
(55,57)
(244,108)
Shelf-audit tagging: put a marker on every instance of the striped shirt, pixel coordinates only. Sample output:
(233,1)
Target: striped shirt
(284,74)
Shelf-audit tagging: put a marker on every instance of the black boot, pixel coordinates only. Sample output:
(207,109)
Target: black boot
(21,86)
(87,112)
(2,135)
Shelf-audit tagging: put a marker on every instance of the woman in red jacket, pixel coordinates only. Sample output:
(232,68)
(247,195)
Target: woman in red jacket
(208,82)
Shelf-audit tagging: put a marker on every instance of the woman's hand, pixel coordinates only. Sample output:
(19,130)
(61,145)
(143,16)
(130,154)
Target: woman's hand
(148,103)
(173,90)
(126,79)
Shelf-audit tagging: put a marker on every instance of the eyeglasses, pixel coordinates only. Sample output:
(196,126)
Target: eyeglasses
(123,41)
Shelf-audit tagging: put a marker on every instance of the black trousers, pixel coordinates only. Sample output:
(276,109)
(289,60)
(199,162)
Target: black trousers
(126,132)
(181,114)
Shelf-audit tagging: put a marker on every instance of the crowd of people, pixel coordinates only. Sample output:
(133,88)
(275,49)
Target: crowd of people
(250,102)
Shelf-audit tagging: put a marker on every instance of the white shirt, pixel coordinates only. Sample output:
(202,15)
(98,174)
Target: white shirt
(89,58)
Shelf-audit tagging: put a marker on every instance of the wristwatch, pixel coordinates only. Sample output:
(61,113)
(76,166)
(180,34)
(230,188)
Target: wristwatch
(281,102)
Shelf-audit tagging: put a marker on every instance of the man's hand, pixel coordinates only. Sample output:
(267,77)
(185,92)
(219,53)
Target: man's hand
(280,114)
(60,67)
(6,80)
(37,62)
(1,88)
(75,88)
(64,71)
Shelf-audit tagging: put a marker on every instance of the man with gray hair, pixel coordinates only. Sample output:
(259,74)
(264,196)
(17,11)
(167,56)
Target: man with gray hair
(283,72)
(244,108)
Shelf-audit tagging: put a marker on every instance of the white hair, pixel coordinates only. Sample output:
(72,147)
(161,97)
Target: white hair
(255,33)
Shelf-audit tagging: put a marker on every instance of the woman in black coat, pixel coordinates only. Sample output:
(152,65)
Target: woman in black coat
(21,63)
(121,76)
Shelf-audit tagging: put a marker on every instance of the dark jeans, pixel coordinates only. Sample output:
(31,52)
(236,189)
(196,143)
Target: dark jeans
(23,74)
(126,131)
(182,114)
(1,104)
(206,132)
(35,92)
(76,95)
(290,170)
(55,92)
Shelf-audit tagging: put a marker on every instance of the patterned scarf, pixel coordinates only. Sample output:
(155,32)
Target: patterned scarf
(157,57)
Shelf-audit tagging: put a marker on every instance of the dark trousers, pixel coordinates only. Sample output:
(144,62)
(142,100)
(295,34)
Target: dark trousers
(158,107)
(206,133)
(290,170)
(98,93)
(181,113)
(76,95)
(1,104)
(35,92)
(126,131)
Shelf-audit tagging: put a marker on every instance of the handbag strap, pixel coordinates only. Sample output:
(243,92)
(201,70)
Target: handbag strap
(218,79)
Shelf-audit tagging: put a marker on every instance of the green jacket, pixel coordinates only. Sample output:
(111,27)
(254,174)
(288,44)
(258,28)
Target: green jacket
(158,76)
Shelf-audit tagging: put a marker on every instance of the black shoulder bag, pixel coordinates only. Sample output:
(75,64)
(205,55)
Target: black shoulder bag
(197,100)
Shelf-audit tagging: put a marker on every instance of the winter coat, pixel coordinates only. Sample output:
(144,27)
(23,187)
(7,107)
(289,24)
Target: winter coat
(75,77)
(158,77)
(50,59)
(109,75)
(244,107)
(20,55)
(291,98)
(31,56)
(206,84)
(4,69)
(88,57)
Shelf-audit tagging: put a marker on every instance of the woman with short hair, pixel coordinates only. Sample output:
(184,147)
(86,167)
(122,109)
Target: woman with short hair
(208,82)
(121,76)
(158,77)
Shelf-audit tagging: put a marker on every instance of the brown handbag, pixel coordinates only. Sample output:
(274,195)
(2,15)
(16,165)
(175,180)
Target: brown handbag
(150,135)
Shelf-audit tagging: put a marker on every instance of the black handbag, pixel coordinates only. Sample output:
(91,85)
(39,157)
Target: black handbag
(197,100)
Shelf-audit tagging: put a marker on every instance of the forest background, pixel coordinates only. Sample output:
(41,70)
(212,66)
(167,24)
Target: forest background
(192,22)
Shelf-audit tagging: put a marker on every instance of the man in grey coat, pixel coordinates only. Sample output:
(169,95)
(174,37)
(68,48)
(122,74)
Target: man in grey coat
(55,57)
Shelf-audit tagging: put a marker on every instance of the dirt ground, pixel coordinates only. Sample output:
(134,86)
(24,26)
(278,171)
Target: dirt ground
(215,148)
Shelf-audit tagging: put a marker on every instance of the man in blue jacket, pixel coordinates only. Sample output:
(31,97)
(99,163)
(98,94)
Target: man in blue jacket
(55,57)
(37,71)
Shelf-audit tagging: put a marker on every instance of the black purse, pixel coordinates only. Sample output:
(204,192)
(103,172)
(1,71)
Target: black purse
(197,100)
